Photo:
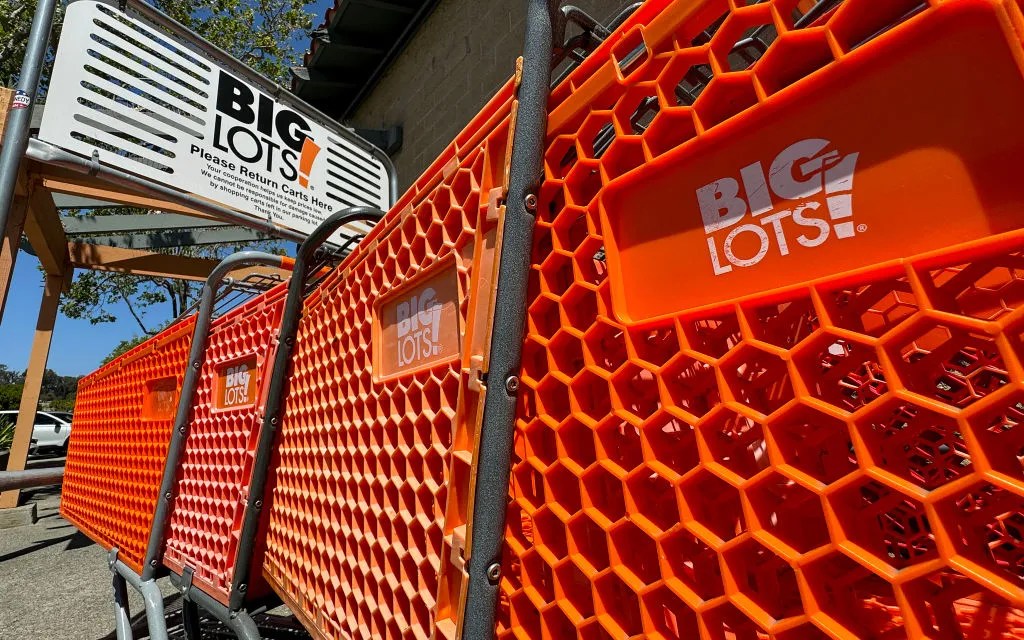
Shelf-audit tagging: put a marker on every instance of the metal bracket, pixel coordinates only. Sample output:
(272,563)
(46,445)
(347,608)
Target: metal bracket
(185,586)
(388,140)
(94,164)
(494,458)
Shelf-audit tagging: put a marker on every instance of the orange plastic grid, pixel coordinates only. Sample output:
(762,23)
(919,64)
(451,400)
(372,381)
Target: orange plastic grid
(840,459)
(123,417)
(372,488)
(213,479)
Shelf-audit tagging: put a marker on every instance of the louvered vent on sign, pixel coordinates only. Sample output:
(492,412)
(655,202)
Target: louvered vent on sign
(167,107)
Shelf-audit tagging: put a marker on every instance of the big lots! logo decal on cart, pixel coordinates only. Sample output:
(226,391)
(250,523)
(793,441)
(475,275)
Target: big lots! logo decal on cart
(418,325)
(236,384)
(804,196)
(844,173)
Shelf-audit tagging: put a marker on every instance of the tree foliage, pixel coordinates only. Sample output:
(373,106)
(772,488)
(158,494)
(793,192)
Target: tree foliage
(124,347)
(10,396)
(56,391)
(260,33)
(15,22)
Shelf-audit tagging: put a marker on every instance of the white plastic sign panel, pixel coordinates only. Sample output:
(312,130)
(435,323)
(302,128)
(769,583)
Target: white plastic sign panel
(150,105)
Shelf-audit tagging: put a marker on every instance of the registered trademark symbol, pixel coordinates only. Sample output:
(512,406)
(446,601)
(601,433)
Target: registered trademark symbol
(861,228)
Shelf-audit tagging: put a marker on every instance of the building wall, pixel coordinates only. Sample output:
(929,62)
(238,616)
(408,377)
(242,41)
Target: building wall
(461,54)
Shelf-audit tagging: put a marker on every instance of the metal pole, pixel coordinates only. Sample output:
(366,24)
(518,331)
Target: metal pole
(15,137)
(122,610)
(496,433)
(10,480)
(190,620)
(278,387)
(152,599)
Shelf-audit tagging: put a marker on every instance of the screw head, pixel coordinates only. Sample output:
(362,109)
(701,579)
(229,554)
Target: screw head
(153,563)
(258,504)
(195,365)
(494,573)
(243,587)
(167,495)
(512,384)
(531,202)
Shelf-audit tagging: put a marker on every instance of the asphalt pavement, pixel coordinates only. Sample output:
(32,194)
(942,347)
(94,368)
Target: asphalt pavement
(55,584)
(54,581)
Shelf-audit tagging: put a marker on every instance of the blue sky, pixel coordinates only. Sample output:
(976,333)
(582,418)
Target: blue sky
(77,348)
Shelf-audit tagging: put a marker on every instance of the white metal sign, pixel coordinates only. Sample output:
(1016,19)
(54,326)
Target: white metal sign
(148,103)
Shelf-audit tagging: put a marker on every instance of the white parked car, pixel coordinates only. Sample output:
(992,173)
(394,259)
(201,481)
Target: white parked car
(50,432)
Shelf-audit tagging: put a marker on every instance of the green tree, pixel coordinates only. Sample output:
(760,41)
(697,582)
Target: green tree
(10,376)
(260,33)
(124,347)
(15,21)
(10,396)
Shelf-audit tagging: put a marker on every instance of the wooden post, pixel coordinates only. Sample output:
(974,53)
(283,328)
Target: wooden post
(9,247)
(6,97)
(33,381)
(16,221)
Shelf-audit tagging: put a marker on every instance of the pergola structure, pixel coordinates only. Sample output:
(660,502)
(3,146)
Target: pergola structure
(226,156)
(116,243)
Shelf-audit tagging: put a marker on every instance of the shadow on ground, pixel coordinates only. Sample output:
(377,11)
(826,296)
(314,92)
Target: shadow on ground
(63,586)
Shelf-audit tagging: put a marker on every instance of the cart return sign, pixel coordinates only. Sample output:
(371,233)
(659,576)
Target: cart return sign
(167,109)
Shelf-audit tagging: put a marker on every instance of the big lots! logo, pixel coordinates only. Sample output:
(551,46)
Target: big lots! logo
(419,327)
(804,196)
(236,386)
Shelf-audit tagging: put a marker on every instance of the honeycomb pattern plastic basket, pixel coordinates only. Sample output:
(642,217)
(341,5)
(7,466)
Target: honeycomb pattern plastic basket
(372,489)
(824,440)
(123,417)
(216,465)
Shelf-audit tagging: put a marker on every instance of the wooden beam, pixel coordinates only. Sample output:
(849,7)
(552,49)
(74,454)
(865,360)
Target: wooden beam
(33,381)
(141,263)
(132,223)
(147,263)
(75,184)
(45,232)
(9,245)
(167,238)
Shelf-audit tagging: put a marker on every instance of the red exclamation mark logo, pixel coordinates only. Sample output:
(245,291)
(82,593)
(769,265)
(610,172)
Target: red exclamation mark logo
(310,150)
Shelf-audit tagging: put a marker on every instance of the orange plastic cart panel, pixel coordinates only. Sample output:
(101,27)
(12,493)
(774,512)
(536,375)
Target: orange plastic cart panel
(871,159)
(123,417)
(213,479)
(372,489)
(834,451)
